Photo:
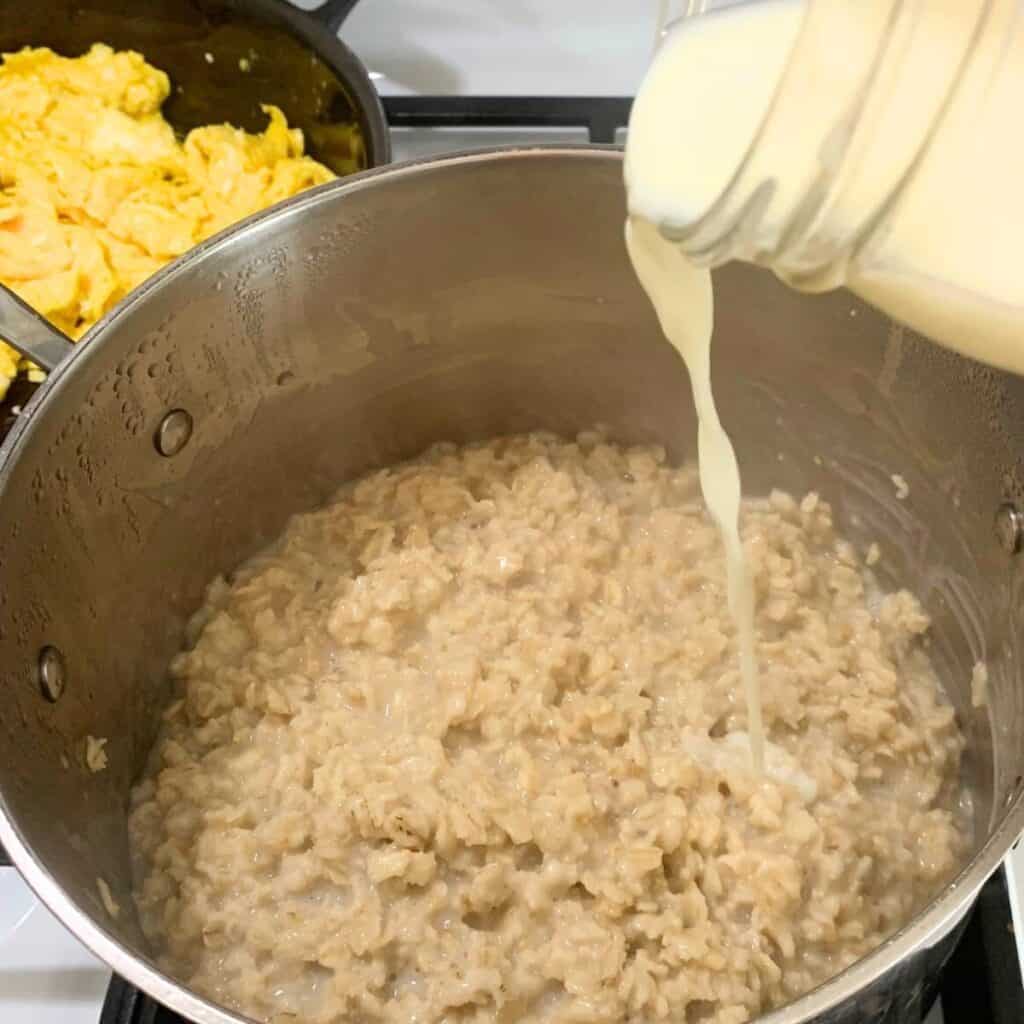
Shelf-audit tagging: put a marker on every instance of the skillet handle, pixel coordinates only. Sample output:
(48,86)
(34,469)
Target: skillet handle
(331,13)
(32,335)
(36,339)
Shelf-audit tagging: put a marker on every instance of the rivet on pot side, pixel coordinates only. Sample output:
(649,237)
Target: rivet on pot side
(174,433)
(52,673)
(1009,526)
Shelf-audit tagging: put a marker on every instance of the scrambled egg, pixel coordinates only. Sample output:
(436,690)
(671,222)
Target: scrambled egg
(97,193)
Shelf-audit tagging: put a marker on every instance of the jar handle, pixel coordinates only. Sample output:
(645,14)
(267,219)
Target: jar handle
(331,13)
(32,335)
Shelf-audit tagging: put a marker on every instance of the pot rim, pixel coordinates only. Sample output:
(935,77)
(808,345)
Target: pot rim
(924,930)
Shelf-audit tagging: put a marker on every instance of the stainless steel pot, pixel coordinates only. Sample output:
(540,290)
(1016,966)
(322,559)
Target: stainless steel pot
(454,299)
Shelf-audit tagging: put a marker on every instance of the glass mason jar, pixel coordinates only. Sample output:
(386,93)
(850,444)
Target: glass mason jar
(890,159)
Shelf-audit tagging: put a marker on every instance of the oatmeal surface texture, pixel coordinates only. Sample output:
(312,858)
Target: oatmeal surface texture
(467,745)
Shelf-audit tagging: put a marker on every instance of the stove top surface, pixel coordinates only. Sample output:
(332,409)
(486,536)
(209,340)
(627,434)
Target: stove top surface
(46,976)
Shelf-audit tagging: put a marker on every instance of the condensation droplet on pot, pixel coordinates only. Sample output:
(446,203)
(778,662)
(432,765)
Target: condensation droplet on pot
(174,432)
(1009,527)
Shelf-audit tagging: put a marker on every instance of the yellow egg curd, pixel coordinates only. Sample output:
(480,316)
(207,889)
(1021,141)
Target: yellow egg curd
(97,192)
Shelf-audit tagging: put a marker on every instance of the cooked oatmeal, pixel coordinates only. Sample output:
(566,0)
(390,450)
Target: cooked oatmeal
(467,745)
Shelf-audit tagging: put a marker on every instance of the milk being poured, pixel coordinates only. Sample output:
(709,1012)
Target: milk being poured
(682,297)
(871,144)
(662,179)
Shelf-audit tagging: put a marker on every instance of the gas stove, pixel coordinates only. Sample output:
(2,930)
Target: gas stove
(473,75)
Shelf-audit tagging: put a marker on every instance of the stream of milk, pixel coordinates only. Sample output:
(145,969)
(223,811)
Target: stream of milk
(682,298)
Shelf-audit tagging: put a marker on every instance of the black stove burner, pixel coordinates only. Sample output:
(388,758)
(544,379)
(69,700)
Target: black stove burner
(125,1004)
(982,982)
(602,116)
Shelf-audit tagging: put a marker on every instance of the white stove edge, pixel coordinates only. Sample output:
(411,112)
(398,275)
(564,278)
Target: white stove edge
(46,975)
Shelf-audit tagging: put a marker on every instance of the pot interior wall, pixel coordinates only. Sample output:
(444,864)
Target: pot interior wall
(451,301)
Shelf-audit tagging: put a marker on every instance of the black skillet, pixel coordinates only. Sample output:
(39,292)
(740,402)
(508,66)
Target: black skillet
(224,58)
